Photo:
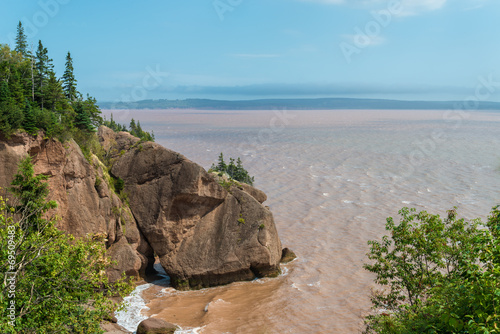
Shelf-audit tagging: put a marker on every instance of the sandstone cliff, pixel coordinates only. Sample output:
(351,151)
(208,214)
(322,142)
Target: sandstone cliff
(204,234)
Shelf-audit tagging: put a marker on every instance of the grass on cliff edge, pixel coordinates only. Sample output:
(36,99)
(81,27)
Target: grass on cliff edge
(51,283)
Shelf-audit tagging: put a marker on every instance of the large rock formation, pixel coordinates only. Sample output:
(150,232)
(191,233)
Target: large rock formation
(205,232)
(86,204)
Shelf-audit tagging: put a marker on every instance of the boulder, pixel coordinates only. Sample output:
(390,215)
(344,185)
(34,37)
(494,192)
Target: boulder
(203,233)
(287,256)
(155,326)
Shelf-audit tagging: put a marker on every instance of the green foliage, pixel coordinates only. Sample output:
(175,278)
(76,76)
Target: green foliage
(47,120)
(21,40)
(234,171)
(31,192)
(33,98)
(82,119)
(118,185)
(4,91)
(116,127)
(54,95)
(135,129)
(440,276)
(60,283)
(227,184)
(11,116)
(29,120)
(89,144)
(69,80)
(44,68)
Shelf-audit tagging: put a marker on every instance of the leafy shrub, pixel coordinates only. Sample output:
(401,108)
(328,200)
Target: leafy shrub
(440,276)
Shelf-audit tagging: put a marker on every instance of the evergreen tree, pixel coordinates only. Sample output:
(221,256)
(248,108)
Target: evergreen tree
(231,168)
(138,130)
(11,116)
(235,171)
(82,119)
(21,40)
(54,92)
(93,111)
(4,91)
(68,79)
(43,67)
(133,127)
(221,166)
(29,122)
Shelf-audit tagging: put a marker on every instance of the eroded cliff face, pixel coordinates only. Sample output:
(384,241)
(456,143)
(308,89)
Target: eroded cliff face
(84,206)
(203,233)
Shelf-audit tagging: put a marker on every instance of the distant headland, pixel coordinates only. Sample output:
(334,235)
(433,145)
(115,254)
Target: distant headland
(302,104)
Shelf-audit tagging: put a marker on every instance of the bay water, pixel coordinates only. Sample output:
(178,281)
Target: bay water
(332,178)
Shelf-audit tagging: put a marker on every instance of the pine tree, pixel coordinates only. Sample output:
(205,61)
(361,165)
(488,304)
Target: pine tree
(53,92)
(93,111)
(139,132)
(43,68)
(4,91)
(11,116)
(231,169)
(82,119)
(29,123)
(21,40)
(221,165)
(68,79)
(133,127)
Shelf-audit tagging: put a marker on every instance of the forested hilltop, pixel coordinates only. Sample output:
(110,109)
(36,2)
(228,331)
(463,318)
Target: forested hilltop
(297,104)
(33,97)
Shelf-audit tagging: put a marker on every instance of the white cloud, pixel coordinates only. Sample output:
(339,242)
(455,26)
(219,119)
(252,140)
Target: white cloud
(362,41)
(414,7)
(407,7)
(252,55)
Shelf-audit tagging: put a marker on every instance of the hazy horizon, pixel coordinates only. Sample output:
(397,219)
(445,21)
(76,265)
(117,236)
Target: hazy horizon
(242,50)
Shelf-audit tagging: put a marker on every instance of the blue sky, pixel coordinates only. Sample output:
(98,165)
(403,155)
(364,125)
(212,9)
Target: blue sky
(242,49)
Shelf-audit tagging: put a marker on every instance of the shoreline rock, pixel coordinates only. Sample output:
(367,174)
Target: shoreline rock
(287,255)
(156,326)
(204,231)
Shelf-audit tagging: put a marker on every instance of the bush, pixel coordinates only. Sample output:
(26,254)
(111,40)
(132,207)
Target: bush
(440,276)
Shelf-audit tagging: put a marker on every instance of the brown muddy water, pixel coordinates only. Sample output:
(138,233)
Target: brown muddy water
(332,178)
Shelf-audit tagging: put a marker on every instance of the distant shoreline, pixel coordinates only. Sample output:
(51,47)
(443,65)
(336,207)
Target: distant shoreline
(303,104)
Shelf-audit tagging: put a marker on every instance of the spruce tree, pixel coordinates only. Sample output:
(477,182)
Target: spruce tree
(21,40)
(82,119)
(221,166)
(53,92)
(29,122)
(68,79)
(43,68)
(4,91)
(133,127)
